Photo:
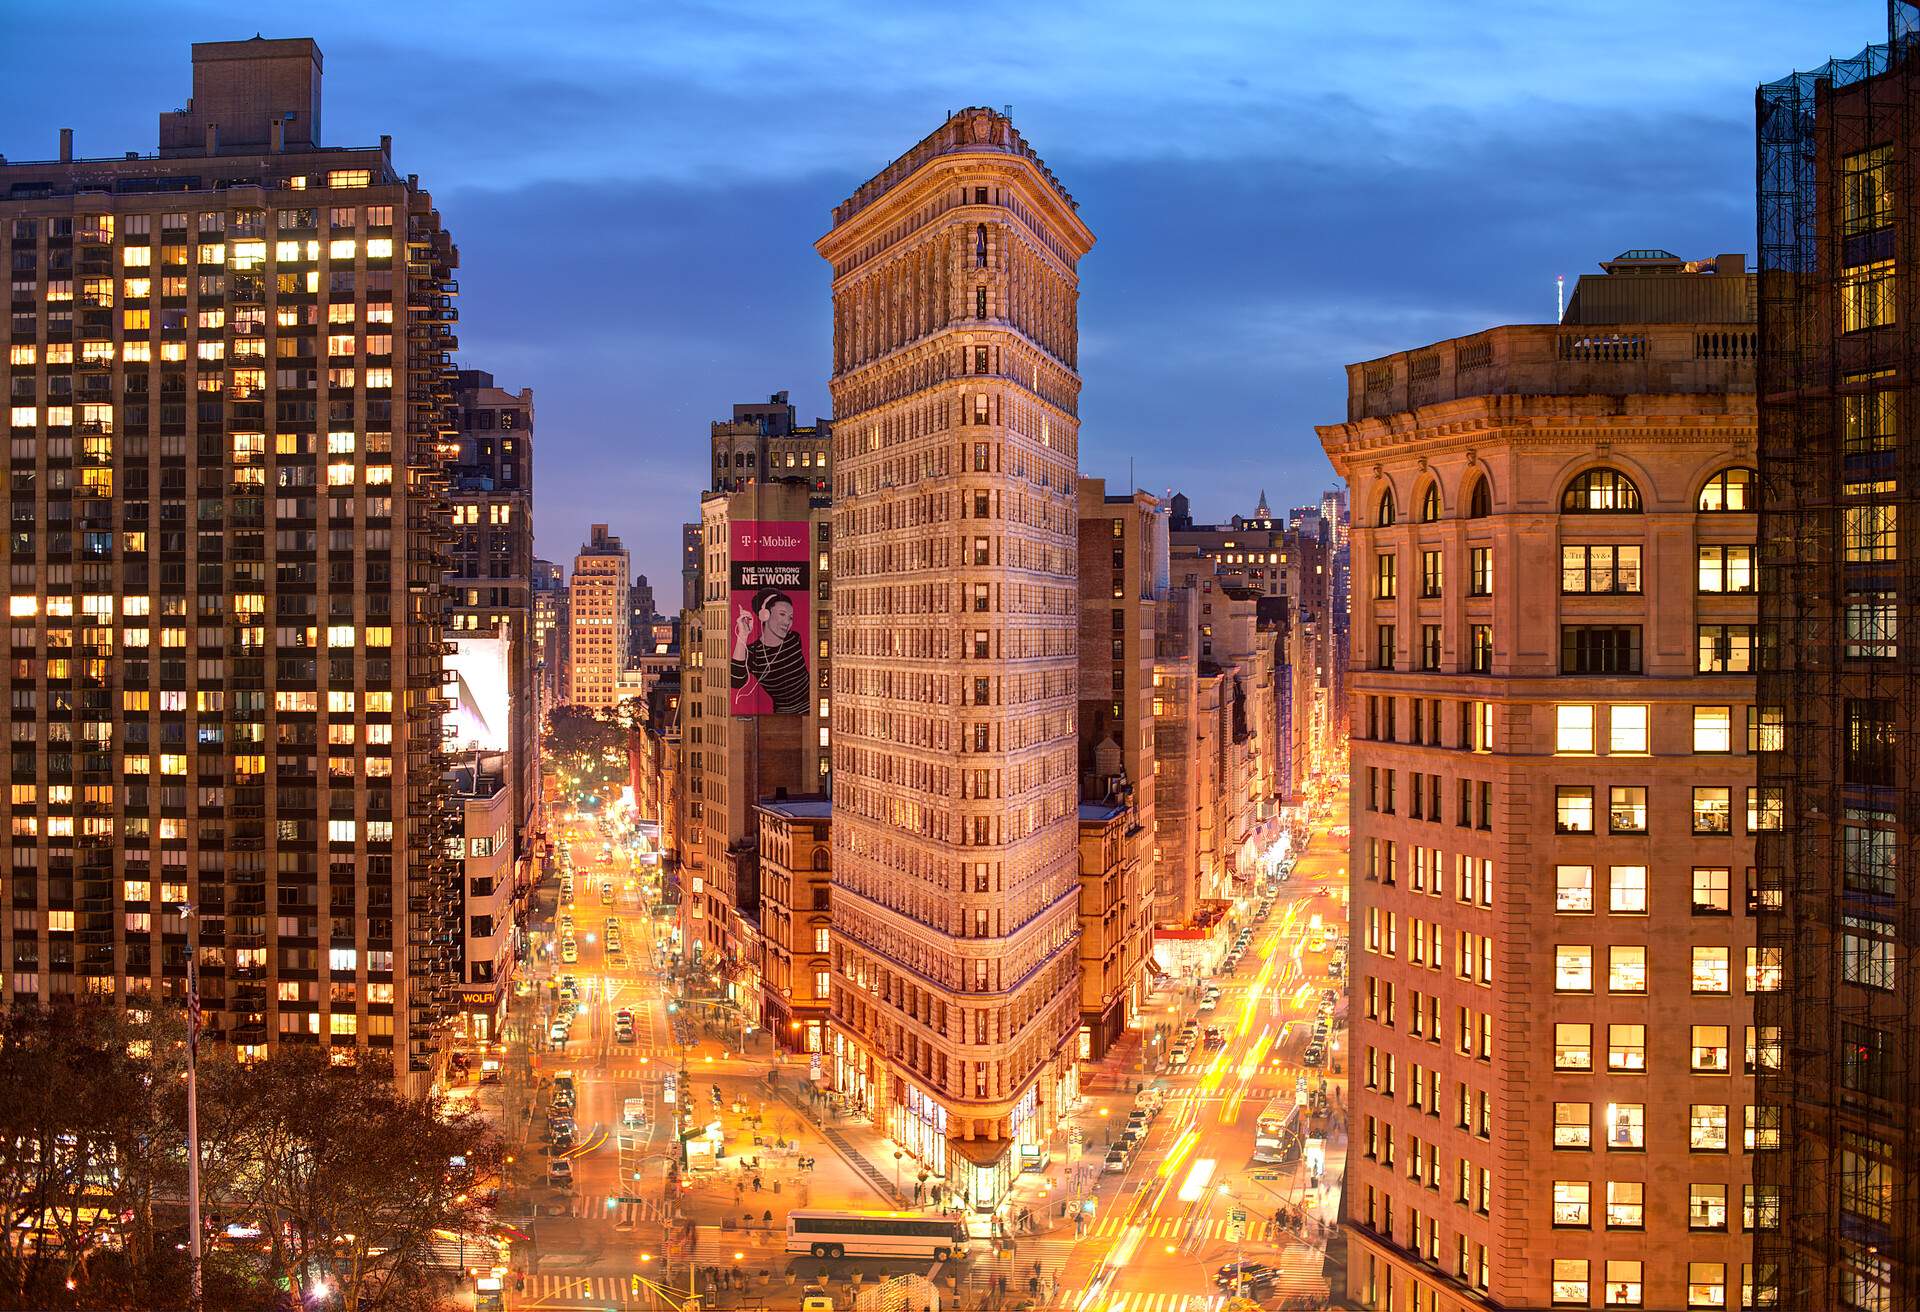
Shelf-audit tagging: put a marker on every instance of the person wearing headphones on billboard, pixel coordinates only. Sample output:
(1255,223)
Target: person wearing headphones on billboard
(777,659)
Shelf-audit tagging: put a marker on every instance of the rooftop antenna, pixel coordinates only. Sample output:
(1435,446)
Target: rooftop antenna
(1560,296)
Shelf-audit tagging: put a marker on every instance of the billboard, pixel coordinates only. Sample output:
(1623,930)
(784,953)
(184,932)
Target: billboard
(481,688)
(770,618)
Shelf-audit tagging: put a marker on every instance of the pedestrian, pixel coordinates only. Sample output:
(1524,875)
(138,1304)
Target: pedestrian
(756,1184)
(767,1218)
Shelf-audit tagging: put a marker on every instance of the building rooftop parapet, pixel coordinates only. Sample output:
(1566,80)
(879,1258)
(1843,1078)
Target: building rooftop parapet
(1558,360)
(966,131)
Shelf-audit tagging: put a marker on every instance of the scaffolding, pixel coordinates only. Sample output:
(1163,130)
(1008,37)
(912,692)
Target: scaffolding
(1836,1210)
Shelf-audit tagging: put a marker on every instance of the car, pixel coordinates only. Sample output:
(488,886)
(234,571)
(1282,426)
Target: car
(569,950)
(562,1137)
(1329,998)
(1313,1057)
(613,924)
(1129,1140)
(624,1016)
(560,1173)
(1116,1159)
(566,922)
(559,1032)
(606,893)
(1138,1121)
(1180,1055)
(1246,1275)
(1208,1001)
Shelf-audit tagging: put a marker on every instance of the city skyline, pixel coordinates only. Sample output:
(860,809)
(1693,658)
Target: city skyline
(1246,349)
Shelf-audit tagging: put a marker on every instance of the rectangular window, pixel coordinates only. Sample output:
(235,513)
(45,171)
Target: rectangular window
(1627,1048)
(1725,648)
(1869,533)
(1873,626)
(1573,730)
(1626,1127)
(1573,889)
(1599,649)
(1626,809)
(1711,896)
(1707,1207)
(1867,296)
(1573,810)
(1707,1127)
(1710,969)
(1480,572)
(1626,729)
(1383,646)
(1570,1284)
(1572,1125)
(1766,809)
(1431,574)
(1481,637)
(1627,890)
(1866,179)
(1626,969)
(1870,419)
(1572,1204)
(1867,851)
(1429,646)
(1386,576)
(1626,1205)
(1572,1047)
(1573,968)
(1602,569)
(1726,569)
(1713,728)
(1712,810)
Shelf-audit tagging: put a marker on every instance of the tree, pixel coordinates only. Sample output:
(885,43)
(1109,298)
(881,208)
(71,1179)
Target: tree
(350,1182)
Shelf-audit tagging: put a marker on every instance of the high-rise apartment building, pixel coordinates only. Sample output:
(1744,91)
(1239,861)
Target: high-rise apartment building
(1837,882)
(492,579)
(955,982)
(598,615)
(229,407)
(1553,812)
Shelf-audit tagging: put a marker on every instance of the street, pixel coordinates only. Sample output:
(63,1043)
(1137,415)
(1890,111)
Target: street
(630,1230)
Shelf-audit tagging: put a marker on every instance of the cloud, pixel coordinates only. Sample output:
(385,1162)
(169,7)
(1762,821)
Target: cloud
(1279,190)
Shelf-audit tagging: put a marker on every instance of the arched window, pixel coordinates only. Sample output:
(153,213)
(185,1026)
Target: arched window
(1601,492)
(1480,504)
(1430,503)
(1385,516)
(1730,489)
(821,859)
(980,246)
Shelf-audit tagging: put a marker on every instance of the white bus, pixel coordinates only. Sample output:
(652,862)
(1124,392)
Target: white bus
(875,1234)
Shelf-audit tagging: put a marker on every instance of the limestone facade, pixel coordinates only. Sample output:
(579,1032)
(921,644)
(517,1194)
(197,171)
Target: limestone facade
(1552,817)
(955,991)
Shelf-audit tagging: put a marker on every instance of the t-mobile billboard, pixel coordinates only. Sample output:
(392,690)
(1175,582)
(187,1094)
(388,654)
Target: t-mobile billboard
(771,618)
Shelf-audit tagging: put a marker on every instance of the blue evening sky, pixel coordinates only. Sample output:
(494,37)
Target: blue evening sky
(1278,189)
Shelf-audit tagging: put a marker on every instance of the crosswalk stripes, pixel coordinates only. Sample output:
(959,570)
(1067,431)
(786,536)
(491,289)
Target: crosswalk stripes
(1168,1228)
(1145,1301)
(553,1290)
